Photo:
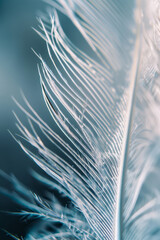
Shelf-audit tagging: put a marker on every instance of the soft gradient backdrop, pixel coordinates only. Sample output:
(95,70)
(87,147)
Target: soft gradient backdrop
(18,71)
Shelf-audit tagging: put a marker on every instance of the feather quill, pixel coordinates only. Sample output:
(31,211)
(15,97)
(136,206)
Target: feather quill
(105,102)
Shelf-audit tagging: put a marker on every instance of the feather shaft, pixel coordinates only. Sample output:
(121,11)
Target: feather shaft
(127,134)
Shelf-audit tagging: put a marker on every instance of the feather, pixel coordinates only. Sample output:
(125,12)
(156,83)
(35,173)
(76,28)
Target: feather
(105,102)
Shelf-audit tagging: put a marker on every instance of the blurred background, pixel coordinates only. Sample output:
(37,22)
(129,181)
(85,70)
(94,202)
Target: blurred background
(18,71)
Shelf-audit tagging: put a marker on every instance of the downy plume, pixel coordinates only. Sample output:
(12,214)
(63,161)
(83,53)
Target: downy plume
(106,103)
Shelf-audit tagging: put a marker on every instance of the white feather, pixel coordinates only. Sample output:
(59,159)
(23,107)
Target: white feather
(106,105)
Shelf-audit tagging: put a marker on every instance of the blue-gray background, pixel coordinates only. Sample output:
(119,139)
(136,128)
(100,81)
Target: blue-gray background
(18,70)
